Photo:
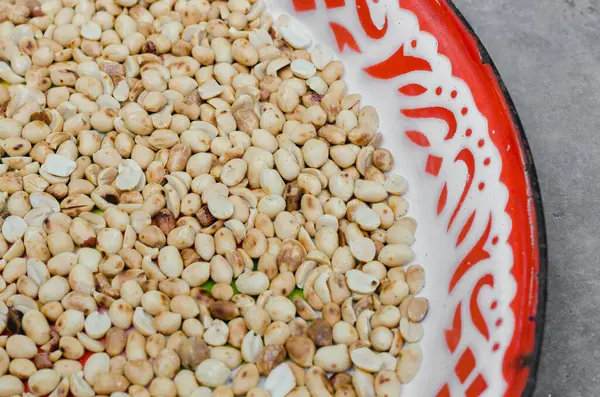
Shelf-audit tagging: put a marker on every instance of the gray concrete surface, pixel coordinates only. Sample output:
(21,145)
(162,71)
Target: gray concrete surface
(548,54)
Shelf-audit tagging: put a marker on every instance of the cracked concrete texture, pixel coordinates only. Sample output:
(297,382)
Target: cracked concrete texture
(548,55)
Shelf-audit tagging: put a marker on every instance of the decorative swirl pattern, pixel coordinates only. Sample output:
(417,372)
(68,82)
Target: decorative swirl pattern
(396,65)
(364,16)
(344,38)
(436,112)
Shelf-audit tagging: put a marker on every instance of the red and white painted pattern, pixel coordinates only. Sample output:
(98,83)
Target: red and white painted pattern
(455,144)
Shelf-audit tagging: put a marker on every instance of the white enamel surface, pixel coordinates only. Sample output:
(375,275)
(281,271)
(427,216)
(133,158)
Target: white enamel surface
(435,247)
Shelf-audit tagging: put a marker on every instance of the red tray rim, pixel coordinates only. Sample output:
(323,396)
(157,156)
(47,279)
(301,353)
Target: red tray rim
(532,360)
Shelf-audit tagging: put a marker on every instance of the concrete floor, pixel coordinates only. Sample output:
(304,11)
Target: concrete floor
(548,55)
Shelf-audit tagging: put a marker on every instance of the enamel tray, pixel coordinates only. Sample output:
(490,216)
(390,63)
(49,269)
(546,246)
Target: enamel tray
(457,138)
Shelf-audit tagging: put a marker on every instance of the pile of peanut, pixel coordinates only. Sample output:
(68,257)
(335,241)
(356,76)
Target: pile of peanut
(192,205)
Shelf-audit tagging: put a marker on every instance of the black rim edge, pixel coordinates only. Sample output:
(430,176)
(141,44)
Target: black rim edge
(540,317)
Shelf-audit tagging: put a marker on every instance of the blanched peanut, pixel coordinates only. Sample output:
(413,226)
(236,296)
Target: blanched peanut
(394,292)
(186,383)
(109,382)
(280,381)
(277,333)
(22,368)
(317,382)
(257,319)
(269,358)
(301,350)
(11,386)
(20,346)
(286,164)
(365,359)
(395,255)
(96,364)
(255,243)
(381,338)
(280,308)
(117,364)
(409,362)
(415,278)
(36,327)
(362,383)
(333,358)
(228,355)
(344,333)
(216,334)
(252,283)
(166,364)
(245,379)
(212,373)
(139,372)
(193,352)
